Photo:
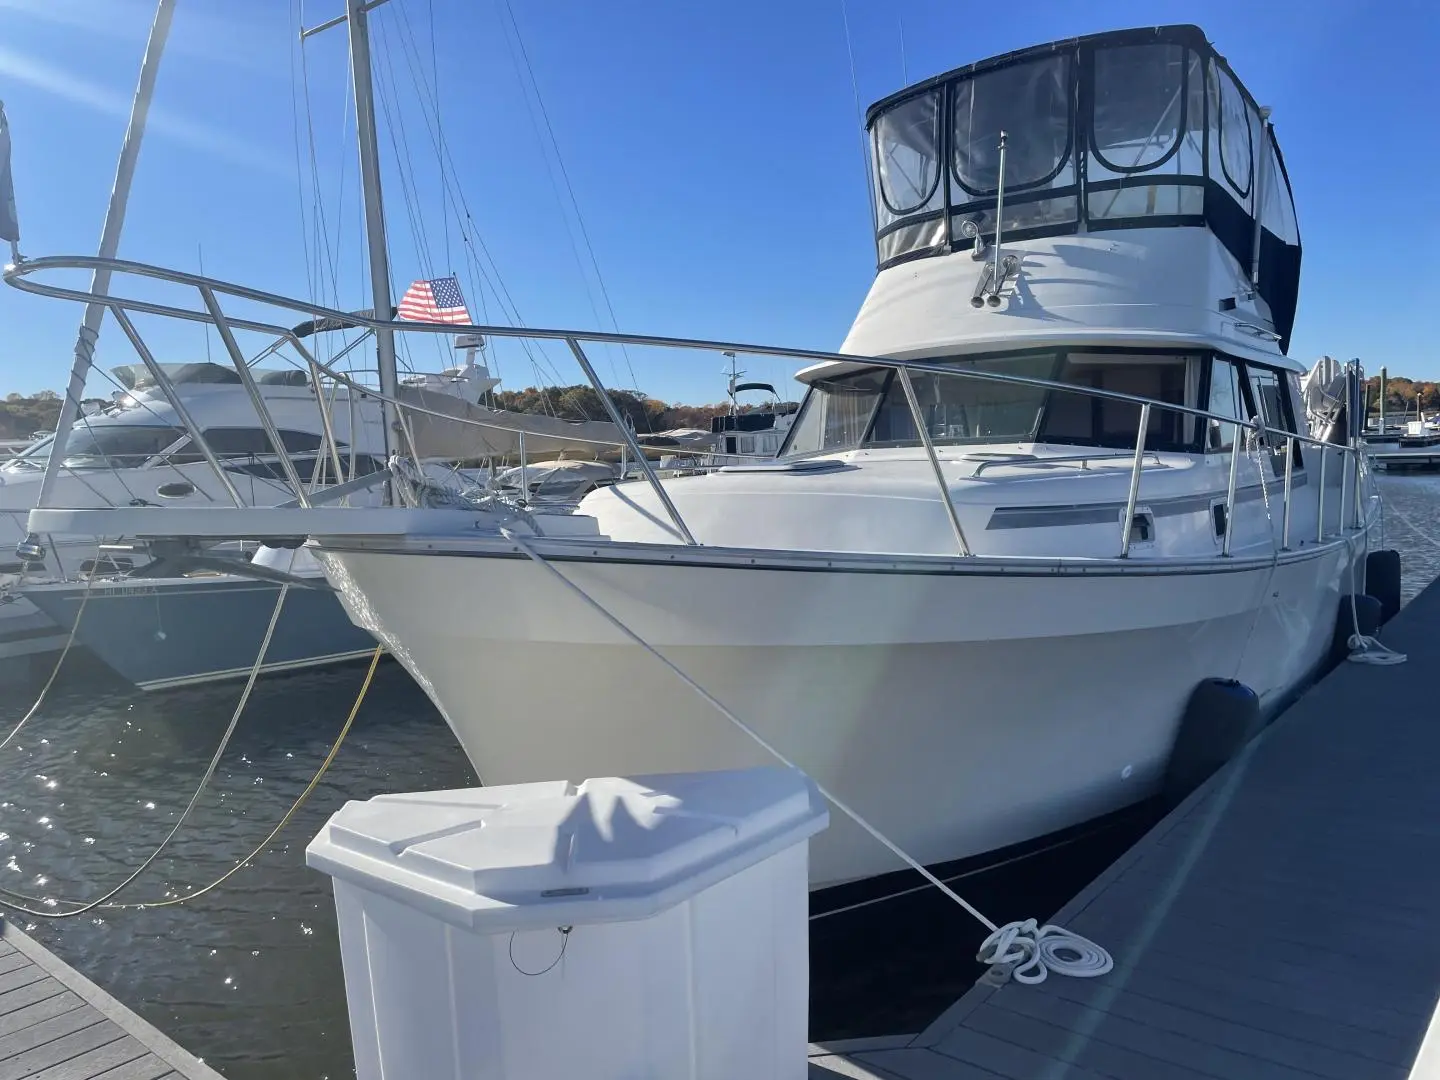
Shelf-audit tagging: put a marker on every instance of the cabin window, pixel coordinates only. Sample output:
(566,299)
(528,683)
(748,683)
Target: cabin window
(1097,421)
(966,410)
(837,412)
(103,446)
(1224,400)
(246,442)
(1271,408)
(305,467)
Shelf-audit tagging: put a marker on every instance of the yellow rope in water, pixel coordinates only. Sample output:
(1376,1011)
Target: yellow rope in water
(83,907)
(294,807)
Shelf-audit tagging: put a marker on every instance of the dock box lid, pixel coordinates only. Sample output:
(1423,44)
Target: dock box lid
(527,856)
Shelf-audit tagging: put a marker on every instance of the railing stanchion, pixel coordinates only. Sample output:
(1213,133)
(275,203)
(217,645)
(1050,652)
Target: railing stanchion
(325,417)
(168,389)
(629,436)
(1359,487)
(1344,490)
(267,422)
(1320,503)
(1128,525)
(1289,479)
(1230,491)
(524,473)
(924,433)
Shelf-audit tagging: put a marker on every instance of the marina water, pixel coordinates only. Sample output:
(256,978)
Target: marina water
(248,975)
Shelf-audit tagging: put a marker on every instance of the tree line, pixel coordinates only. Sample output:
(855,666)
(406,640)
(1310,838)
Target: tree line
(581,402)
(22,416)
(1401,395)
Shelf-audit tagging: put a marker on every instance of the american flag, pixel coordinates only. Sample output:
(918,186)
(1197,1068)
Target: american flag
(435,300)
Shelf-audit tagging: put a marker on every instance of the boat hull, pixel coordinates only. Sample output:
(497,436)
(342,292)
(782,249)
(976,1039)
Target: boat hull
(180,631)
(958,711)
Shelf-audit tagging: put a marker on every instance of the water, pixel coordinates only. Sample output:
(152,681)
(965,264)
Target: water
(248,976)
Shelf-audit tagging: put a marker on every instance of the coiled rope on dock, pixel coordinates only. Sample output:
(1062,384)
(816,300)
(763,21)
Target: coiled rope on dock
(1010,948)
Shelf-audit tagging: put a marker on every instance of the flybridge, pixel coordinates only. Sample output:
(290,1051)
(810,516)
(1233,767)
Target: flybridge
(1134,129)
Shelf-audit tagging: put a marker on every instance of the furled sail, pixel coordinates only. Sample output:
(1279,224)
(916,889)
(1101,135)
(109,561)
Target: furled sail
(469,431)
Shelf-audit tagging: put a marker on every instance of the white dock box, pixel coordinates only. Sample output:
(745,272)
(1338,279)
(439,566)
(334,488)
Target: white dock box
(651,927)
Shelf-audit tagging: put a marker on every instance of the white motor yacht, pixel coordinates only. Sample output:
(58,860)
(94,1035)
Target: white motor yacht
(1059,473)
(979,666)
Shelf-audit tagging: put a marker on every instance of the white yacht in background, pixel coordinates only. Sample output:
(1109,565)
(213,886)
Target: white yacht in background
(174,622)
(1059,473)
(137,453)
(742,435)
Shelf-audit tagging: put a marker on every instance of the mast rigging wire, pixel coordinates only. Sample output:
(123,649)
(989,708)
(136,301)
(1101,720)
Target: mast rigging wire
(569,187)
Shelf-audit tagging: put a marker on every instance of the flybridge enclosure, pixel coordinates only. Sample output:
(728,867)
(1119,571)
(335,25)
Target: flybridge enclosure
(138,377)
(1131,129)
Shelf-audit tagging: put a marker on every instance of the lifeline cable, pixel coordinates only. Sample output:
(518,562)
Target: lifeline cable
(294,807)
(1029,950)
(91,905)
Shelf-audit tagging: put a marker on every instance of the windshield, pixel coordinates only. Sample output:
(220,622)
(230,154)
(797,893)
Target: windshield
(967,410)
(870,409)
(117,446)
(836,412)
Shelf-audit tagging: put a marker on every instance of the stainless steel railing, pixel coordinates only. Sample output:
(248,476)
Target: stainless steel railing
(1256,433)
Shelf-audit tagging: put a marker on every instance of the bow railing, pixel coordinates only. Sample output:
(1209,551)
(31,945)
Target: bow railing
(24,276)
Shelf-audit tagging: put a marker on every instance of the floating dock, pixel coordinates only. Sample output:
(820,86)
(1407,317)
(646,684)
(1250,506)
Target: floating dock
(55,1024)
(1279,924)
(1407,460)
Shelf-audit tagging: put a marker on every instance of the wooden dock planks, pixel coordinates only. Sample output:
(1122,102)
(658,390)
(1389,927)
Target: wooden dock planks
(57,1025)
(1278,925)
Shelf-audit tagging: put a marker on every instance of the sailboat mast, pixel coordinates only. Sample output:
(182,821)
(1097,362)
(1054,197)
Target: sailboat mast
(109,245)
(357,16)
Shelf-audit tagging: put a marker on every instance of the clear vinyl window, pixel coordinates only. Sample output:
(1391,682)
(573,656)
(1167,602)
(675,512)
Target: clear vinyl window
(907,154)
(1031,103)
(1139,105)
(1233,132)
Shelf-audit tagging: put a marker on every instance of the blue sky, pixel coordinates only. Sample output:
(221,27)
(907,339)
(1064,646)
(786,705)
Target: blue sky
(712,149)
